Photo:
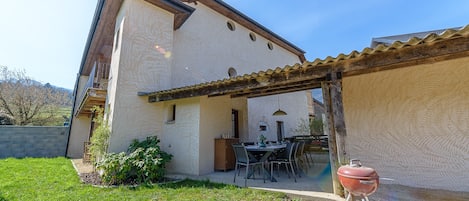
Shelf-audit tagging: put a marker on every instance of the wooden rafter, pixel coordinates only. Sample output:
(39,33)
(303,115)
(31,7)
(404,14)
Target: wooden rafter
(310,74)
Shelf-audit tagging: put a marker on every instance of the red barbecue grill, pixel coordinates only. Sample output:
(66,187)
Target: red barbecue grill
(358,180)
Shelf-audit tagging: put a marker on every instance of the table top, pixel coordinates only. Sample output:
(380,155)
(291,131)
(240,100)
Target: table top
(266,148)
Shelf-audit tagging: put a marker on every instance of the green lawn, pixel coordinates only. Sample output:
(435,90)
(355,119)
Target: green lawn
(55,179)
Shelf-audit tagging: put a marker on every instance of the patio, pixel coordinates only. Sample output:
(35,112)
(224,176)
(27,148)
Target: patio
(314,184)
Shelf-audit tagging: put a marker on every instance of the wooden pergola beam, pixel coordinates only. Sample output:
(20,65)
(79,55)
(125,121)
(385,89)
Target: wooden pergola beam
(440,50)
(271,82)
(310,75)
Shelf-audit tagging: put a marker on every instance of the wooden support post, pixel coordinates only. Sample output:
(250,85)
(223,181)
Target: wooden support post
(329,130)
(338,114)
(332,94)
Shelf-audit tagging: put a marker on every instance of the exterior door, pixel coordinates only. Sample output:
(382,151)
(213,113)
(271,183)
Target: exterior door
(235,123)
(280,133)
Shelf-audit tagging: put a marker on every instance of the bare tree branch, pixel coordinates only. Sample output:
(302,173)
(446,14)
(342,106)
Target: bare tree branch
(28,102)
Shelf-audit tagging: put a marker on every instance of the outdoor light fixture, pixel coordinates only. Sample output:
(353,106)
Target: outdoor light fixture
(279,112)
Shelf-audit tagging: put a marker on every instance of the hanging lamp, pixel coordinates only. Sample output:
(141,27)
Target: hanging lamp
(279,112)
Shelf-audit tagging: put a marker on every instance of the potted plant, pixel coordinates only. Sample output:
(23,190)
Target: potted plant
(261,139)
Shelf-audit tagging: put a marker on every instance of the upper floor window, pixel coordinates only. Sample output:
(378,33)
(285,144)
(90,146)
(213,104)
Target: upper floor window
(232,72)
(252,36)
(231,26)
(270,46)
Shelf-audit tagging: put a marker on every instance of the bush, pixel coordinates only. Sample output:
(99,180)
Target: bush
(100,138)
(113,167)
(145,163)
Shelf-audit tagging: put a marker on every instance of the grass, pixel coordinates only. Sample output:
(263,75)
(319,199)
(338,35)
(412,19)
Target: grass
(56,179)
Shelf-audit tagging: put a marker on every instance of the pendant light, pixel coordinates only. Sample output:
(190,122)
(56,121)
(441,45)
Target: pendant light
(279,112)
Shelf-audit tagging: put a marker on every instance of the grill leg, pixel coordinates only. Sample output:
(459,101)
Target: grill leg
(365,198)
(349,196)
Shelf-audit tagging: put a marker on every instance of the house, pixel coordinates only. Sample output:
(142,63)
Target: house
(389,40)
(400,108)
(136,47)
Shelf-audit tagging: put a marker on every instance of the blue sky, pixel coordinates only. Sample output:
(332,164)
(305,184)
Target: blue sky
(47,37)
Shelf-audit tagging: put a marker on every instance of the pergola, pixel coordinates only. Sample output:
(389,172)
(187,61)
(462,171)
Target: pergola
(328,74)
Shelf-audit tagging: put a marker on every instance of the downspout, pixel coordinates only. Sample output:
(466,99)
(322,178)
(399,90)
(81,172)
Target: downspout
(94,24)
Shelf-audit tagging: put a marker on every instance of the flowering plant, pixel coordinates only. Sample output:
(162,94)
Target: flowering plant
(261,138)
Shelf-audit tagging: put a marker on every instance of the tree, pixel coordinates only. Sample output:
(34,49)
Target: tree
(27,102)
(313,126)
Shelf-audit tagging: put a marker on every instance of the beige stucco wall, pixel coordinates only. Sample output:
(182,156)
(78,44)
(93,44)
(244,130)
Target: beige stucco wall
(80,127)
(181,137)
(80,131)
(138,66)
(190,138)
(411,124)
(215,120)
(204,50)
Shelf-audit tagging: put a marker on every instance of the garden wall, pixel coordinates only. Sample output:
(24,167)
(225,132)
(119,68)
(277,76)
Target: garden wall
(20,141)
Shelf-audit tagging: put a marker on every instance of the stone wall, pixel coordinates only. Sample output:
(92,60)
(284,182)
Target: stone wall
(32,141)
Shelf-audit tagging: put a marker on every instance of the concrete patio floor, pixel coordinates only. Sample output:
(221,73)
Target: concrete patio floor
(315,185)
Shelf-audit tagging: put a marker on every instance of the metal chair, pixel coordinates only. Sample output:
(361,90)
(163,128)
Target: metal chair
(301,161)
(288,159)
(243,158)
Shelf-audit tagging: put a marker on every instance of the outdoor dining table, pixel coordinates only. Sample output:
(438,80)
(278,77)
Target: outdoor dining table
(266,151)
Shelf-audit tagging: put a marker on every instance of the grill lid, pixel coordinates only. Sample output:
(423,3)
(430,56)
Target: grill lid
(357,171)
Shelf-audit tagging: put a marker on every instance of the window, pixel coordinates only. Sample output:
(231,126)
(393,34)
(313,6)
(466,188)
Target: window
(232,72)
(252,36)
(280,131)
(171,114)
(230,25)
(270,46)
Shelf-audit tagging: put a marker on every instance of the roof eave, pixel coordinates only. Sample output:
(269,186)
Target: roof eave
(230,12)
(180,10)
(94,25)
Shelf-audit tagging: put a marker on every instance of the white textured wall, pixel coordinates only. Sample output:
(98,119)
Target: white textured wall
(141,67)
(261,109)
(80,127)
(412,124)
(215,119)
(207,48)
(181,137)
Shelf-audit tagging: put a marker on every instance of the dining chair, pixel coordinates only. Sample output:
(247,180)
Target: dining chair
(288,159)
(308,151)
(300,158)
(243,158)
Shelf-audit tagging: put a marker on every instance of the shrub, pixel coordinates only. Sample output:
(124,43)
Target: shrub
(145,163)
(151,141)
(113,167)
(100,138)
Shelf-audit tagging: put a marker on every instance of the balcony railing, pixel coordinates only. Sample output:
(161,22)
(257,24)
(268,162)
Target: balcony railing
(95,89)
